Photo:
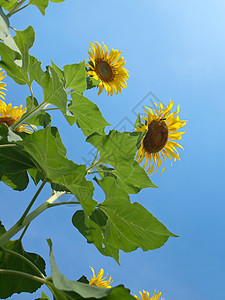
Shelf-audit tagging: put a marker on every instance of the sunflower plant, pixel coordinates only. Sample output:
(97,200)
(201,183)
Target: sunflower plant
(32,149)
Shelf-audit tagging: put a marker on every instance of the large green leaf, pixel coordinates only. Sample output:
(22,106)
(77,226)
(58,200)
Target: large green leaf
(75,76)
(93,229)
(79,290)
(129,226)
(49,80)
(14,163)
(41,5)
(88,115)
(9,58)
(5,35)
(46,148)
(57,1)
(11,284)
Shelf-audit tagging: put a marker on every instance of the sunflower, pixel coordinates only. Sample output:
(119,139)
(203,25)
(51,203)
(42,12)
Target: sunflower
(108,68)
(145,296)
(99,281)
(10,115)
(160,131)
(2,84)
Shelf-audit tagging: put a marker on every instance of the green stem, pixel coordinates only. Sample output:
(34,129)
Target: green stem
(27,116)
(64,203)
(24,259)
(32,96)
(17,227)
(15,8)
(104,171)
(31,203)
(54,108)
(8,145)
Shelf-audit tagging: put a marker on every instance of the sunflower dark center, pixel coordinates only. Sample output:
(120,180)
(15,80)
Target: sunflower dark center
(7,120)
(156,137)
(104,70)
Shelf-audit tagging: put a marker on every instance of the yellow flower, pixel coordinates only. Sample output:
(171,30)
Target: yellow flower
(10,115)
(161,131)
(145,296)
(108,68)
(99,281)
(2,84)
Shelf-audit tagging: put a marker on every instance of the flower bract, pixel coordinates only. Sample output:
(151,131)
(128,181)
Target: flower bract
(108,68)
(2,84)
(10,115)
(160,133)
(99,281)
(145,296)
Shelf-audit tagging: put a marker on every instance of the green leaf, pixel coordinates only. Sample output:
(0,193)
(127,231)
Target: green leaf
(75,76)
(42,118)
(132,181)
(129,226)
(88,115)
(9,58)
(45,146)
(59,72)
(54,92)
(57,1)
(92,82)
(41,5)
(8,5)
(14,163)
(80,290)
(11,284)
(5,35)
(93,229)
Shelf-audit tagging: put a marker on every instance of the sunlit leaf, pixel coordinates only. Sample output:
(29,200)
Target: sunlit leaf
(87,114)
(8,4)
(46,148)
(49,80)
(40,119)
(59,72)
(75,76)
(92,82)
(41,5)
(5,35)
(129,226)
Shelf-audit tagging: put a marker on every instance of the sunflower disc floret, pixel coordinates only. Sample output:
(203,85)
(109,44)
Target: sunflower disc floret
(108,68)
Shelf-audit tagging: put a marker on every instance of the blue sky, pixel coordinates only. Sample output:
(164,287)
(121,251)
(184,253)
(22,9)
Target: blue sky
(174,50)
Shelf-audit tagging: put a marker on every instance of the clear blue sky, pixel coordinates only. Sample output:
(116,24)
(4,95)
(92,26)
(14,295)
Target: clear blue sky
(176,50)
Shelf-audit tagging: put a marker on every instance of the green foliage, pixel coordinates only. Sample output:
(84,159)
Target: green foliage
(41,5)
(49,153)
(64,287)
(5,35)
(42,118)
(92,82)
(75,76)
(14,260)
(8,5)
(118,224)
(88,115)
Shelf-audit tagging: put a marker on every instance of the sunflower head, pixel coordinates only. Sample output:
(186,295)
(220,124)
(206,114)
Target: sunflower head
(145,296)
(99,281)
(2,84)
(10,115)
(160,131)
(108,68)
